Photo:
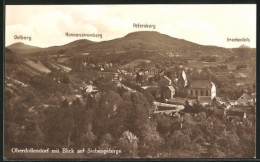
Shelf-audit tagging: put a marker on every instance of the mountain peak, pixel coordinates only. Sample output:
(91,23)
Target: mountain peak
(16,44)
(80,42)
(20,45)
(243,46)
(143,34)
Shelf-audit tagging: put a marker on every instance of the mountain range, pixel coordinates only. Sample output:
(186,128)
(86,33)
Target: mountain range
(143,40)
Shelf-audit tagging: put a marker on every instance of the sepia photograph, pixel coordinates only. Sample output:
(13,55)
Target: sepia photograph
(167,81)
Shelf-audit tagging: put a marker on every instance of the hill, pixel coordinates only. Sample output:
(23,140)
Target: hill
(78,44)
(144,40)
(22,48)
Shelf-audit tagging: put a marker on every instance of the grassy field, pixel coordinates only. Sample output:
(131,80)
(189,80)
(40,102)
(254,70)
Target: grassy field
(135,63)
(38,66)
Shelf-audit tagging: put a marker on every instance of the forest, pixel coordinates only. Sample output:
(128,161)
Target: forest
(124,121)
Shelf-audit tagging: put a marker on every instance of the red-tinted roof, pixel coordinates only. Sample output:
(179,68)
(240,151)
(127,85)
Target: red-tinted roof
(200,84)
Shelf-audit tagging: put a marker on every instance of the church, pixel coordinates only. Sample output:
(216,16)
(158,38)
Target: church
(198,88)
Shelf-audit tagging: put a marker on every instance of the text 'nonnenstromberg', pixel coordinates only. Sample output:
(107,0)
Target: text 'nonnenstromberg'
(83,35)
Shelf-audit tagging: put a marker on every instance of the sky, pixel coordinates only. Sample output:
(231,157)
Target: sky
(202,24)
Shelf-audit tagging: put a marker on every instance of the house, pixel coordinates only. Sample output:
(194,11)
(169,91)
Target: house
(169,92)
(167,109)
(204,100)
(233,102)
(168,80)
(165,81)
(218,99)
(201,88)
(152,71)
(164,110)
(219,112)
(240,76)
(165,89)
(90,89)
(235,114)
(245,99)
(228,105)
(157,93)
(240,84)
(161,73)
(217,102)
(254,96)
(176,80)
(242,108)
(182,101)
(149,71)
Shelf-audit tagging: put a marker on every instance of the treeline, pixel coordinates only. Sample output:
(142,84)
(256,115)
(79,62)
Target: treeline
(126,122)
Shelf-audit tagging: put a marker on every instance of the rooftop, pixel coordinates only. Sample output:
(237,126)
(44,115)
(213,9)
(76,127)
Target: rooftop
(171,88)
(200,84)
(245,96)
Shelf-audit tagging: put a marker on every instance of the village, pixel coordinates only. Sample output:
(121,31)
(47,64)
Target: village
(175,94)
(172,97)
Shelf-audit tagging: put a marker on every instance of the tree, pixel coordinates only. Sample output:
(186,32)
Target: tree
(164,125)
(129,144)
(138,99)
(88,138)
(201,116)
(243,53)
(110,115)
(149,97)
(65,79)
(65,104)
(150,140)
(179,140)
(105,84)
(58,126)
(107,138)
(138,116)
(158,66)
(80,119)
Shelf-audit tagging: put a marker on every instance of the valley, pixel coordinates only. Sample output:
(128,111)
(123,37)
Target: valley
(100,94)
